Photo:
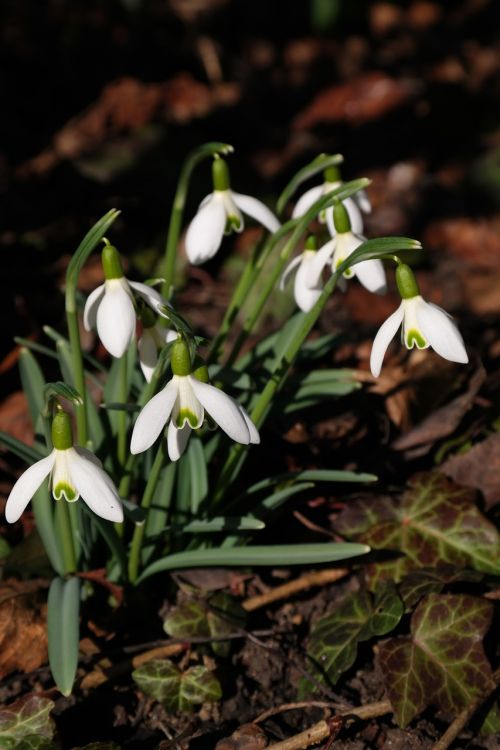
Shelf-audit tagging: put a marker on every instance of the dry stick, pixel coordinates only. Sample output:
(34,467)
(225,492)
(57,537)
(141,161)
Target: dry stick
(322,730)
(464,716)
(315,578)
(98,676)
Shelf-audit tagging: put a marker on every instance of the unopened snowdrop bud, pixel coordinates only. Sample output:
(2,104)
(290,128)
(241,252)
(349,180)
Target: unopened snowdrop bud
(305,297)
(111,307)
(220,213)
(73,472)
(423,325)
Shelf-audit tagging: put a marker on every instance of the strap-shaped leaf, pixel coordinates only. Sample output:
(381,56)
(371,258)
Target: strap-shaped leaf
(199,477)
(63,626)
(282,554)
(33,384)
(377,248)
(320,163)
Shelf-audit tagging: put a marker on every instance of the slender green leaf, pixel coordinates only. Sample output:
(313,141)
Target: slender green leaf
(313,475)
(282,554)
(223,523)
(63,627)
(43,510)
(198,469)
(27,453)
(377,248)
(33,384)
(319,164)
(87,245)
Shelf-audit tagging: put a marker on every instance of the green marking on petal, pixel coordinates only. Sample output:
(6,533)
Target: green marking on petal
(233,223)
(348,273)
(413,336)
(65,491)
(186,415)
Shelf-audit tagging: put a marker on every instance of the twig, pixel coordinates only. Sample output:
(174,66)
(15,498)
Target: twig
(293,706)
(323,729)
(314,578)
(463,718)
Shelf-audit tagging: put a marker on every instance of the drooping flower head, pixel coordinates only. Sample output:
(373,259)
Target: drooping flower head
(74,472)
(423,325)
(220,213)
(111,307)
(355,206)
(370,273)
(182,405)
(305,296)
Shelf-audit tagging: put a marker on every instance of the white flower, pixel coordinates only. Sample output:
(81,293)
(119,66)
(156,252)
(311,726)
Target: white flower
(182,404)
(152,340)
(220,213)
(423,325)
(358,203)
(111,309)
(74,472)
(305,296)
(370,273)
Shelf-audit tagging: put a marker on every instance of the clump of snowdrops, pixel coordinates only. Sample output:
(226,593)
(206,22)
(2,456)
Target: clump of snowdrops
(144,481)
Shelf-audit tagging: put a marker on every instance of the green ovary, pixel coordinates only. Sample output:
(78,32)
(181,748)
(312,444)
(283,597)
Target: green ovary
(65,491)
(185,415)
(415,337)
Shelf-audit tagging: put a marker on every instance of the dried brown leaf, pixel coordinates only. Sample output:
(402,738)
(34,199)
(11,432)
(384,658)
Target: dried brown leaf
(23,638)
(478,468)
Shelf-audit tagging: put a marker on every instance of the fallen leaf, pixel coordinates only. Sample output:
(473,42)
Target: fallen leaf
(23,637)
(442,422)
(360,100)
(479,468)
(15,418)
(246,737)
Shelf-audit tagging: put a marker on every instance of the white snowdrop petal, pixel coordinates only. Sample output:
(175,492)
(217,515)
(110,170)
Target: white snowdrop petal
(371,274)
(306,200)
(26,486)
(257,210)
(252,429)
(148,354)
(95,487)
(204,234)
(320,260)
(187,407)
(177,440)
(153,418)
(285,276)
(91,307)
(305,297)
(385,334)
(354,217)
(152,297)
(363,201)
(116,318)
(223,410)
(441,332)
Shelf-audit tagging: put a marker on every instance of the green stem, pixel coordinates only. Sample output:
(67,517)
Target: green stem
(138,536)
(65,534)
(176,214)
(77,365)
(278,377)
(122,415)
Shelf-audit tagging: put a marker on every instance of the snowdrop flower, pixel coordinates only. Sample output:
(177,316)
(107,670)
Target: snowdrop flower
(110,308)
(370,273)
(354,206)
(220,213)
(183,403)
(74,472)
(154,337)
(305,297)
(423,324)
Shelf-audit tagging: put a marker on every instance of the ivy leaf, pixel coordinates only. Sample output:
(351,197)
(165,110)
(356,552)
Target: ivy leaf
(224,616)
(32,742)
(442,663)
(435,523)
(27,716)
(432,581)
(333,643)
(188,620)
(176,690)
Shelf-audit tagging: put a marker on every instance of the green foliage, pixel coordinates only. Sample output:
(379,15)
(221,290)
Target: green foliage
(63,626)
(434,523)
(34,742)
(442,662)
(333,643)
(176,690)
(26,717)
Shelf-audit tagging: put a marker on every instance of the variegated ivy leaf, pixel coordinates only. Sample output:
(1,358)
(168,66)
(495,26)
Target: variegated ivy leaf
(434,523)
(432,581)
(28,716)
(442,663)
(32,742)
(187,620)
(333,643)
(176,690)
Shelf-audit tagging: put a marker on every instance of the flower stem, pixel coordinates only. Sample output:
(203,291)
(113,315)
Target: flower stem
(176,214)
(138,536)
(278,377)
(77,364)
(65,533)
